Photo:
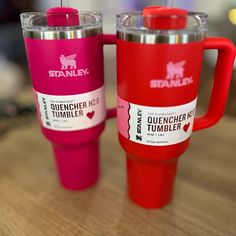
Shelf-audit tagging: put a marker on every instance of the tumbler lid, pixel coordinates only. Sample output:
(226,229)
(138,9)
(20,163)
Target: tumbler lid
(78,166)
(162,25)
(62,16)
(151,185)
(164,18)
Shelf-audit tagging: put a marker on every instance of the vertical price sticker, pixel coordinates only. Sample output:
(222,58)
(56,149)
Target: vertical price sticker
(72,112)
(155,126)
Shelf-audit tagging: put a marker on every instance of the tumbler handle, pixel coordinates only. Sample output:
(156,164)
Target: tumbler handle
(222,78)
(110,39)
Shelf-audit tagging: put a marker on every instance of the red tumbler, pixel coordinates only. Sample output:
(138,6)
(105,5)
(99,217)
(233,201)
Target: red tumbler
(159,61)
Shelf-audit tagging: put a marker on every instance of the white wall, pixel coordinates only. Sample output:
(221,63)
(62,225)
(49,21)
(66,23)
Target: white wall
(215,8)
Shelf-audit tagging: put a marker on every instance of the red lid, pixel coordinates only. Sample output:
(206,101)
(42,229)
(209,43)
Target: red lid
(62,16)
(157,17)
(78,166)
(151,186)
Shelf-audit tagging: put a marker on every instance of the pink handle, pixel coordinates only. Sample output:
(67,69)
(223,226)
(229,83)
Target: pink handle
(110,39)
(222,77)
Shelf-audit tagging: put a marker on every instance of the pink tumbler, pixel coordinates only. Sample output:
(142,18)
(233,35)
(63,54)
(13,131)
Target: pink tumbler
(65,55)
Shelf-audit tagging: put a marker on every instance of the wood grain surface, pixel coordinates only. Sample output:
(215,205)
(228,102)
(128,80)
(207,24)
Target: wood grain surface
(32,203)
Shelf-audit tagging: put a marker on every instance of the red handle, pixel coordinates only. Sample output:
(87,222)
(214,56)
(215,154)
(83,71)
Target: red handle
(222,77)
(110,39)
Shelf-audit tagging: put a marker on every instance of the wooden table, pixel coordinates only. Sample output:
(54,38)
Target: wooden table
(32,203)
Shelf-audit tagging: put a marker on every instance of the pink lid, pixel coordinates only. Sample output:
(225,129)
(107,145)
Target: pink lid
(62,16)
(78,166)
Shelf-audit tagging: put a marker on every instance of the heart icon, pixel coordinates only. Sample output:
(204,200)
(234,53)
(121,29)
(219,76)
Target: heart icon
(186,126)
(90,114)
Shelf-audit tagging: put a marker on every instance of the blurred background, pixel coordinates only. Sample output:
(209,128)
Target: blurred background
(16,99)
